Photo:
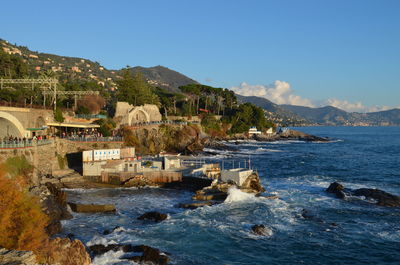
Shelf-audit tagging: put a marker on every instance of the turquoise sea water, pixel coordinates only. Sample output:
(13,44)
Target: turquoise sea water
(298,173)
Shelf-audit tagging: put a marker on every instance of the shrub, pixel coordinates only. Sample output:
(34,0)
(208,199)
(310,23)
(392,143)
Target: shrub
(22,222)
(61,161)
(58,115)
(18,166)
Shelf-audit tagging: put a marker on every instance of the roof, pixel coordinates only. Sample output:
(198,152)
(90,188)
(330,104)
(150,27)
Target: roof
(112,163)
(73,125)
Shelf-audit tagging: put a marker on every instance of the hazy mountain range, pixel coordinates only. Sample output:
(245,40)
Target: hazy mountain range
(328,115)
(83,69)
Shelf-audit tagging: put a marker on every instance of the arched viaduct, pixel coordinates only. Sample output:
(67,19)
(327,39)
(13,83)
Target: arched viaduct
(21,122)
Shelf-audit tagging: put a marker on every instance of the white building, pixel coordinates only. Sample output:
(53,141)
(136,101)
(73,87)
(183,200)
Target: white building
(236,175)
(101,155)
(253,130)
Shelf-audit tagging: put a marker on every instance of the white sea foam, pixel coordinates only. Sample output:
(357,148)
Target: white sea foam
(98,240)
(236,195)
(110,257)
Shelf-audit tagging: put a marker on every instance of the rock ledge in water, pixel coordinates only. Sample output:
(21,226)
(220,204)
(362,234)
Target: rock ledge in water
(91,208)
(383,198)
(149,254)
(153,216)
(261,230)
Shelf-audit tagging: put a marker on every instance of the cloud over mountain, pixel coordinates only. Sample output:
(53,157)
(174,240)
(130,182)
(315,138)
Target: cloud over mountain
(280,92)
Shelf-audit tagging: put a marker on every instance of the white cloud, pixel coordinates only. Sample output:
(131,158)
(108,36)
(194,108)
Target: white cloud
(353,107)
(280,92)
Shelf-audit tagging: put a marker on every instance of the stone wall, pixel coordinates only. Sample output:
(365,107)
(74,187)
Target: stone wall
(46,158)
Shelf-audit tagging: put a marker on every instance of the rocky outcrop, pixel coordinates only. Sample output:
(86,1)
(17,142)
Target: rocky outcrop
(15,257)
(252,184)
(92,208)
(195,205)
(65,251)
(337,189)
(287,135)
(383,198)
(218,191)
(297,135)
(54,205)
(261,230)
(149,254)
(153,216)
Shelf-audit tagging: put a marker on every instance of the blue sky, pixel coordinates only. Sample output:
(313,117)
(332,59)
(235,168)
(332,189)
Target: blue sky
(309,52)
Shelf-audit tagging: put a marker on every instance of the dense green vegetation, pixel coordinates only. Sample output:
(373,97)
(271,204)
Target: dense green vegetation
(135,89)
(218,108)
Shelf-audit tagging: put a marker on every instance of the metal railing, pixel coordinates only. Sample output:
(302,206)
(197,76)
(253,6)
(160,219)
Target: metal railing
(90,116)
(95,139)
(24,144)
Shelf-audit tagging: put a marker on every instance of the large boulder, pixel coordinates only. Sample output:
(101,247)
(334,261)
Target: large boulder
(383,198)
(337,189)
(65,251)
(195,205)
(252,184)
(15,257)
(148,254)
(153,216)
(261,230)
(92,208)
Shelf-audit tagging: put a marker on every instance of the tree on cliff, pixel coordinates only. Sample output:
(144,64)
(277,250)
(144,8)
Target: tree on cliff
(135,89)
(22,222)
(12,66)
(247,115)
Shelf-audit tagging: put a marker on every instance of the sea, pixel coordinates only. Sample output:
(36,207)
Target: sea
(353,231)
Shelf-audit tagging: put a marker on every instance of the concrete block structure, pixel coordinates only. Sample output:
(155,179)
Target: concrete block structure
(172,163)
(236,175)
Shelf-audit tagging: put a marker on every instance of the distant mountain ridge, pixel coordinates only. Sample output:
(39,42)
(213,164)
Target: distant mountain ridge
(164,77)
(328,115)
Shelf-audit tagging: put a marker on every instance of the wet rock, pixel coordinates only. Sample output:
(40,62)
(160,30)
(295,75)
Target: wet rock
(337,189)
(107,232)
(306,214)
(99,249)
(252,184)
(92,208)
(383,198)
(195,205)
(153,216)
(149,254)
(65,251)
(261,230)
(15,257)
(210,193)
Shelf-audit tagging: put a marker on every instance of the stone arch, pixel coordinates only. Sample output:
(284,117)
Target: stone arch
(10,125)
(40,122)
(138,115)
